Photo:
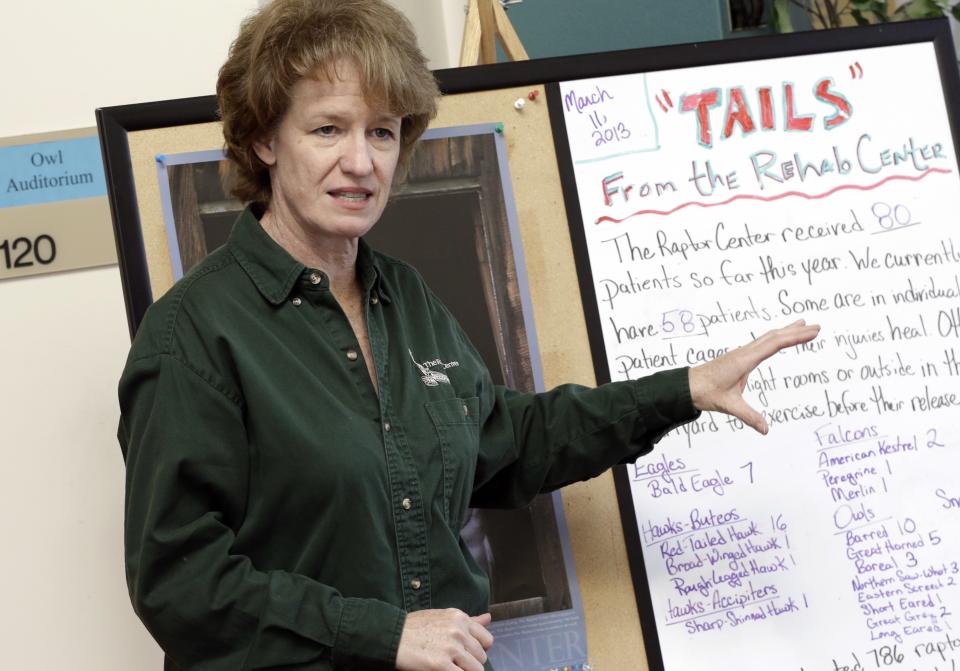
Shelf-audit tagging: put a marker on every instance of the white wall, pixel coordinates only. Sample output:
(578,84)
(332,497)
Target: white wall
(439,25)
(454,14)
(64,59)
(64,337)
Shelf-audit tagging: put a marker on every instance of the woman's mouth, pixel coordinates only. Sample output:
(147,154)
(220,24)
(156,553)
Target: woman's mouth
(352,196)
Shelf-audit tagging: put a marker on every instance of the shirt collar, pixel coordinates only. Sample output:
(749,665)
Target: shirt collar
(274,272)
(371,276)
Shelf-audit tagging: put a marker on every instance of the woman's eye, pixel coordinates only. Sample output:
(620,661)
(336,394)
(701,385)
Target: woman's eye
(382,133)
(326,130)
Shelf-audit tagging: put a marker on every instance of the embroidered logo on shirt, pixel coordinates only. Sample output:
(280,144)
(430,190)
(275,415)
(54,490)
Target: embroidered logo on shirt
(431,377)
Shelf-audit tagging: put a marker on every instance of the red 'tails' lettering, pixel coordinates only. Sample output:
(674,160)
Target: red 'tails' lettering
(702,102)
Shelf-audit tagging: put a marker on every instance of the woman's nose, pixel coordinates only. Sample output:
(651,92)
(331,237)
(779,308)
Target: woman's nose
(356,157)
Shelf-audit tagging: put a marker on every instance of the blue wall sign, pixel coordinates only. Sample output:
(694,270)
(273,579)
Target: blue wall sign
(45,172)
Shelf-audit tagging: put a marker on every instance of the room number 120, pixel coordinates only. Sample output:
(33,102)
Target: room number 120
(23,252)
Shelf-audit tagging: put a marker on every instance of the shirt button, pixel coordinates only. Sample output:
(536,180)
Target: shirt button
(315,278)
(466,410)
(374,299)
(415,584)
(386,426)
(296,301)
(407,504)
(352,355)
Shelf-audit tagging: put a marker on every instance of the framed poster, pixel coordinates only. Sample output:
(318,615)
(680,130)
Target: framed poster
(456,188)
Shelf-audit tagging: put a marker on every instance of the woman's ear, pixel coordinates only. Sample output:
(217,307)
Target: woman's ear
(264,149)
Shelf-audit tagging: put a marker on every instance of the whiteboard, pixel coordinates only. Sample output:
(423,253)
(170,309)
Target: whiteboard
(720,201)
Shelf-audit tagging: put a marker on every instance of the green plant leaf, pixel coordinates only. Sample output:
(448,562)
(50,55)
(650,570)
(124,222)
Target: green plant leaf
(780,18)
(921,9)
(872,6)
(869,11)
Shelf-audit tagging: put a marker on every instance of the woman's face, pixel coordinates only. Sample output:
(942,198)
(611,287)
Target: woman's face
(332,158)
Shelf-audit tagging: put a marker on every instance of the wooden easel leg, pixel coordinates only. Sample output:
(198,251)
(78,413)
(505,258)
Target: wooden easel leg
(470,47)
(488,31)
(487,22)
(509,40)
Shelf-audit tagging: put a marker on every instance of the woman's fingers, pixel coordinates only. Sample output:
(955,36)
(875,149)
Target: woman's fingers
(719,384)
(443,640)
(478,629)
(468,662)
(776,340)
(475,651)
(746,414)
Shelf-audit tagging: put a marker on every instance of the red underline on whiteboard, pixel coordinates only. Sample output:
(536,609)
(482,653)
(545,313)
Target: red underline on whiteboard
(843,187)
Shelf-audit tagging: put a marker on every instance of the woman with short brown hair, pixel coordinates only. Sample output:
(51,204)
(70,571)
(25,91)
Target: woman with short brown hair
(305,425)
(287,41)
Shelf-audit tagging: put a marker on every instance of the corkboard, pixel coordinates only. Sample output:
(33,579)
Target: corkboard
(145,147)
(612,623)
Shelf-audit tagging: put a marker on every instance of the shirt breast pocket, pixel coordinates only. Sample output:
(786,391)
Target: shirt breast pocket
(456,421)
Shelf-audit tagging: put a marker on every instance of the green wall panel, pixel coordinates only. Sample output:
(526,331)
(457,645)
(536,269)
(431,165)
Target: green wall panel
(564,27)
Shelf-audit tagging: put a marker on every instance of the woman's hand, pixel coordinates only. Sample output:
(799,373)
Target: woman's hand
(719,384)
(444,640)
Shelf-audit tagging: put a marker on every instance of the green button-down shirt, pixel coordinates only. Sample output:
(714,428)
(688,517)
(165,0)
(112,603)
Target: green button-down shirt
(282,513)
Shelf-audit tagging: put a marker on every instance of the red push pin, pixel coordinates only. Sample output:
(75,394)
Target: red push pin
(533,95)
